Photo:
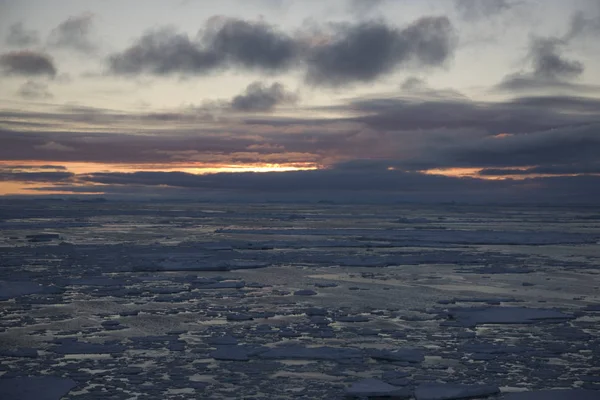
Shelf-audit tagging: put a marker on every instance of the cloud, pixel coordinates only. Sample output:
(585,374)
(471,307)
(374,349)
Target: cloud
(366,51)
(362,7)
(55,176)
(19,36)
(582,26)
(576,146)
(352,53)
(253,45)
(418,87)
(261,97)
(225,42)
(549,68)
(74,33)
(27,63)
(558,169)
(54,146)
(349,185)
(34,91)
(164,52)
(548,62)
(478,9)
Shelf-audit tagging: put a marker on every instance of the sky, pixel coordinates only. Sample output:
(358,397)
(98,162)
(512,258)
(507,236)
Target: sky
(381,100)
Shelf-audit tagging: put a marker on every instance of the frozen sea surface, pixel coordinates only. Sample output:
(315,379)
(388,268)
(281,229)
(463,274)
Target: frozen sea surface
(124,300)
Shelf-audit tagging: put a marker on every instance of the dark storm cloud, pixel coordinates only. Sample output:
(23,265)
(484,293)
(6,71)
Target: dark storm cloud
(477,9)
(261,97)
(226,42)
(74,33)
(27,63)
(34,90)
(19,36)
(364,52)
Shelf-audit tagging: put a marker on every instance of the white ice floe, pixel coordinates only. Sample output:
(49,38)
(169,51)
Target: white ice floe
(375,388)
(450,391)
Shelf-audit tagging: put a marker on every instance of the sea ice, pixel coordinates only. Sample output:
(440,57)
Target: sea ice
(311,353)
(450,391)
(505,315)
(375,388)
(567,394)
(230,353)
(9,289)
(35,388)
(406,355)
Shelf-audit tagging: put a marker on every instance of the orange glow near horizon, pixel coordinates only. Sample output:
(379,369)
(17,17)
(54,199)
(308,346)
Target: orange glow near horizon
(81,168)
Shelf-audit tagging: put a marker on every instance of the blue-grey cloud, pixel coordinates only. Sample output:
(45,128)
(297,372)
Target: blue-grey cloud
(224,43)
(351,53)
(33,90)
(261,97)
(74,33)
(54,176)
(27,63)
(368,50)
(19,36)
(477,9)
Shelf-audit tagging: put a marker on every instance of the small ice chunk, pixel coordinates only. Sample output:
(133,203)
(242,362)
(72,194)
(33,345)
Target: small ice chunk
(375,388)
(567,394)
(35,387)
(450,391)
